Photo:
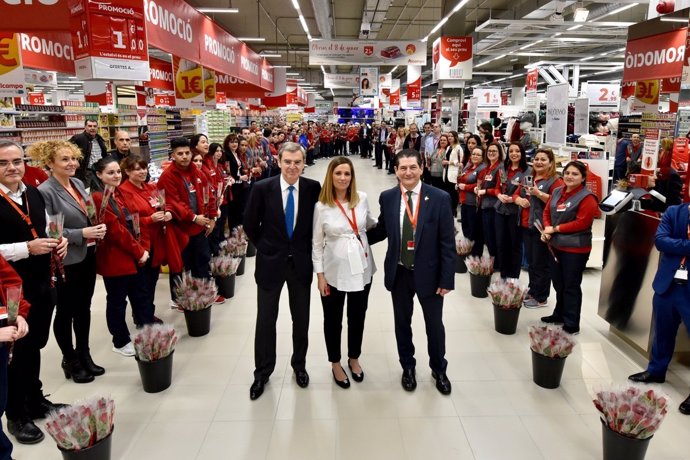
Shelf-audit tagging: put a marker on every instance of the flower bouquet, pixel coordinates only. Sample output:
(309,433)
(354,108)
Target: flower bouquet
(224,268)
(154,346)
(506,295)
(480,269)
(550,346)
(463,246)
(82,426)
(195,296)
(157,201)
(13,297)
(56,225)
(107,194)
(630,416)
(236,246)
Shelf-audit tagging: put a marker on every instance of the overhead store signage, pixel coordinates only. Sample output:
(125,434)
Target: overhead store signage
(557,113)
(311,103)
(603,94)
(162,100)
(100,92)
(656,56)
(414,86)
(668,85)
(340,80)
(488,97)
(37,98)
(11,71)
(35,15)
(452,58)
(173,26)
(361,52)
(532,80)
(161,75)
(109,39)
(219,50)
(368,81)
(36,77)
(236,88)
(581,125)
(189,83)
(531,97)
(249,68)
(395,94)
(385,80)
(267,75)
(48,51)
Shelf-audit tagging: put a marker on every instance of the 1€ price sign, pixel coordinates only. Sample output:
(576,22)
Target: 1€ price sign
(647,91)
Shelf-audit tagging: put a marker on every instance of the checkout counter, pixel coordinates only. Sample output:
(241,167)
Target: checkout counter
(630,262)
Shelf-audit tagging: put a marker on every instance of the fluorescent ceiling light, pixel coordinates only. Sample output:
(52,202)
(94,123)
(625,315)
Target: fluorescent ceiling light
(674,20)
(574,27)
(445,19)
(295,4)
(271,55)
(439,25)
(332,93)
(616,11)
(587,59)
(530,44)
(292,73)
(580,14)
(218,10)
(323,70)
(252,39)
(394,69)
(282,66)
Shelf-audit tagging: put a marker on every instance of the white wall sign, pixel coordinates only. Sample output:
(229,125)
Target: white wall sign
(603,94)
(472,117)
(365,52)
(581,116)
(488,97)
(557,113)
(368,81)
(340,80)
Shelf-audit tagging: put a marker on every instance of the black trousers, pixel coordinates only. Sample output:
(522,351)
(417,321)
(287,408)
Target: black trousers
(357,303)
(268,300)
(432,307)
(24,383)
(118,290)
(509,244)
(365,148)
(196,258)
(471,223)
(378,154)
(567,280)
(340,147)
(389,157)
(5,443)
(489,226)
(218,234)
(74,306)
(236,205)
(538,257)
(449,187)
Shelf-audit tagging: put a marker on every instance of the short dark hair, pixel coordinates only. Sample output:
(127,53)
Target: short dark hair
(129,163)
(178,142)
(90,120)
(408,153)
(103,162)
(427,123)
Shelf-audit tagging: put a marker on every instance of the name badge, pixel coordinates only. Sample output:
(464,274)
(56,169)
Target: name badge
(561,207)
(489,177)
(410,245)
(681,276)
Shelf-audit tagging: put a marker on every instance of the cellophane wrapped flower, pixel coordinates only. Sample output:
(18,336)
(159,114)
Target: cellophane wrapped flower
(154,342)
(236,244)
(56,225)
(507,293)
(551,341)
(632,411)
(195,293)
(83,424)
(463,245)
(483,265)
(224,265)
(13,295)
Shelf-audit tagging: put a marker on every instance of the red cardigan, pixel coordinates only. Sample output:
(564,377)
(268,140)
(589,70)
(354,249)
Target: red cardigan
(118,254)
(9,277)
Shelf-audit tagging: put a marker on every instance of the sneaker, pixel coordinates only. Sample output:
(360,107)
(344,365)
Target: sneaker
(127,350)
(220,299)
(534,303)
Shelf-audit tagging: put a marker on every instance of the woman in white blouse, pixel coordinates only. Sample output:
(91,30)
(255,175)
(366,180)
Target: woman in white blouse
(343,263)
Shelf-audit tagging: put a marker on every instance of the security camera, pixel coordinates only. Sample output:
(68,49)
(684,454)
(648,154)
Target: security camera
(366,28)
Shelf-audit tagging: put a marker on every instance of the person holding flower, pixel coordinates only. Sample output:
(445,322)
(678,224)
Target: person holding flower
(65,194)
(120,258)
(240,187)
(214,169)
(343,263)
(470,218)
(487,194)
(568,217)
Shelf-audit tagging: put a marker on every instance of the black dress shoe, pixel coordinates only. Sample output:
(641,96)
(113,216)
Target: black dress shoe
(552,319)
(646,377)
(356,377)
(302,378)
(42,407)
(684,407)
(257,389)
(574,330)
(25,431)
(74,370)
(344,384)
(442,383)
(88,364)
(409,382)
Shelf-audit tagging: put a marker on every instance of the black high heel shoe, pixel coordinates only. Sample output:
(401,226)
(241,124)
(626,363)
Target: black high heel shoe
(88,364)
(341,383)
(74,370)
(356,377)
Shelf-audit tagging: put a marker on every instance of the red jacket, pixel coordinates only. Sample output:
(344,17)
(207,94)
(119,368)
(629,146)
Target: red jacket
(119,252)
(9,277)
(216,177)
(177,197)
(34,176)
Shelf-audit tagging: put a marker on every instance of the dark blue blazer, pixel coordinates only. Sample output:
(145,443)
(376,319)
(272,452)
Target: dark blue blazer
(672,241)
(434,240)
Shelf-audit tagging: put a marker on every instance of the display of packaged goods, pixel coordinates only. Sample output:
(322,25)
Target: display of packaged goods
(80,107)
(30,137)
(6,103)
(6,120)
(39,108)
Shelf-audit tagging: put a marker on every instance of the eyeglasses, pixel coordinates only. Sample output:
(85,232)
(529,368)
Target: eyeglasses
(16,163)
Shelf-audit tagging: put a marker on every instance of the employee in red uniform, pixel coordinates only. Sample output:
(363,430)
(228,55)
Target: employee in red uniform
(470,219)
(568,218)
(213,168)
(487,192)
(34,176)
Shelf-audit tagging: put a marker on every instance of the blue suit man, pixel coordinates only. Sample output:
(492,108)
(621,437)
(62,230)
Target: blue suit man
(671,294)
(420,260)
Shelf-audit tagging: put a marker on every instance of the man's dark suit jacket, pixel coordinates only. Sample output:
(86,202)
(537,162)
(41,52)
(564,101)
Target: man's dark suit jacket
(672,241)
(434,239)
(83,141)
(264,223)
(410,144)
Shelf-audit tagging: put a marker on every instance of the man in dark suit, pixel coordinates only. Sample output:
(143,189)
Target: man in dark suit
(413,140)
(92,148)
(380,144)
(365,141)
(278,220)
(417,221)
(671,300)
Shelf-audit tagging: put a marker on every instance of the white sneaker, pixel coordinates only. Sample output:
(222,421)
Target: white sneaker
(127,350)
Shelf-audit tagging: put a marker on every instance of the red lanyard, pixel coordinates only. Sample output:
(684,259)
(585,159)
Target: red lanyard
(682,261)
(413,218)
(25,217)
(353,221)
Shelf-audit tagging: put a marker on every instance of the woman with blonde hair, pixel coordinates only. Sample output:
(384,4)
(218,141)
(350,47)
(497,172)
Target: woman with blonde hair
(343,263)
(65,194)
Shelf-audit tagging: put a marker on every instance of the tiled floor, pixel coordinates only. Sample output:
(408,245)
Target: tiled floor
(495,411)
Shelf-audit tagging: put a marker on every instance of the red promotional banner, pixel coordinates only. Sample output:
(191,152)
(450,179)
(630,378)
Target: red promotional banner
(657,56)
(250,66)
(35,15)
(162,100)
(670,85)
(218,49)
(267,76)
(234,87)
(221,97)
(48,51)
(174,26)
(531,81)
(627,89)
(109,39)
(395,96)
(414,90)
(161,75)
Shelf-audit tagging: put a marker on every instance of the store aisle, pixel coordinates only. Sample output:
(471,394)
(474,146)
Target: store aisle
(495,411)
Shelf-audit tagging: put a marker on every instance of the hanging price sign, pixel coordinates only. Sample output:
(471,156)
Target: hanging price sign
(603,94)
(109,39)
(162,100)
(189,83)
(488,97)
(647,91)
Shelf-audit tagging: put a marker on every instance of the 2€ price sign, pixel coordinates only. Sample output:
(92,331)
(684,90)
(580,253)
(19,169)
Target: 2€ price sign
(603,94)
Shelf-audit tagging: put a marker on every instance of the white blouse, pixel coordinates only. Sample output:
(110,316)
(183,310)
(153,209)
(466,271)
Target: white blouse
(347,263)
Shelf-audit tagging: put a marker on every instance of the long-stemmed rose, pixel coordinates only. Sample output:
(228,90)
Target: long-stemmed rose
(82,425)
(56,225)
(463,246)
(551,341)
(483,265)
(154,342)
(506,293)
(632,411)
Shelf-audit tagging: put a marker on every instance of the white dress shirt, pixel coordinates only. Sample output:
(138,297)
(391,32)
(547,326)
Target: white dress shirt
(347,264)
(295,193)
(15,251)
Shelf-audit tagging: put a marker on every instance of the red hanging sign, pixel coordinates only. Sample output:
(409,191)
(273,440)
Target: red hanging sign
(174,26)
(162,100)
(161,75)
(35,15)
(37,99)
(656,56)
(48,51)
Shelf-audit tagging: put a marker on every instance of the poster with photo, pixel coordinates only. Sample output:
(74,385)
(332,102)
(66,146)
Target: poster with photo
(368,81)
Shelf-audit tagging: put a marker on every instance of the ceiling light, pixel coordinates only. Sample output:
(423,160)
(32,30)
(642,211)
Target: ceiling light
(587,59)
(616,11)
(292,73)
(674,20)
(218,10)
(282,66)
(295,4)
(446,18)
(252,39)
(323,70)
(394,69)
(271,55)
(332,93)
(574,27)
(580,14)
